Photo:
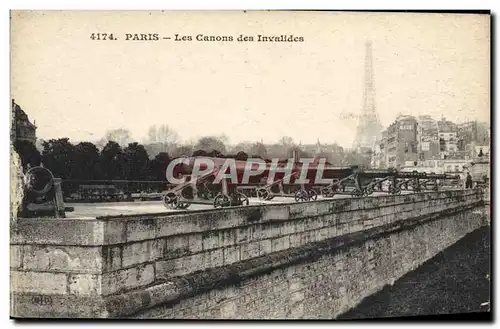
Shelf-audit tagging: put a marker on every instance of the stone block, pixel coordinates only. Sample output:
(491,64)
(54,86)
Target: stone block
(85,284)
(142,252)
(57,232)
(280,243)
(275,213)
(299,225)
(114,231)
(111,258)
(288,228)
(231,255)
(124,280)
(165,269)
(16,256)
(38,282)
(265,247)
(216,258)
(176,246)
(210,240)
(141,229)
(227,237)
(62,258)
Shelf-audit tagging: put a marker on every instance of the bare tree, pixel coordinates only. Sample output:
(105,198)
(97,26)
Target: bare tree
(286,141)
(121,136)
(162,134)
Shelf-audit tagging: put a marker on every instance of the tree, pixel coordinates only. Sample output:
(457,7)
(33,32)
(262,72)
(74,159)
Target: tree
(210,143)
(241,156)
(86,162)
(162,134)
(200,153)
(215,154)
(120,136)
(183,150)
(258,150)
(286,141)
(112,161)
(58,156)
(159,165)
(136,162)
(245,147)
(28,153)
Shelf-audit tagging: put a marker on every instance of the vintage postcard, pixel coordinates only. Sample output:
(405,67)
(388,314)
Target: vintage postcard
(250,164)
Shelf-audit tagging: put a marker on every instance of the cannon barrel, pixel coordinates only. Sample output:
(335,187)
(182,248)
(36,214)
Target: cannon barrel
(39,180)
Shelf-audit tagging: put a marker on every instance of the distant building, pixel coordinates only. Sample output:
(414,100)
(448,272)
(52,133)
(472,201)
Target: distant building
(402,143)
(448,140)
(379,156)
(433,139)
(22,128)
(448,166)
(428,138)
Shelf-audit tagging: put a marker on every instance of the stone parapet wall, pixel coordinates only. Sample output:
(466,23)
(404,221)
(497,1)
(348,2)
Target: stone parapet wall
(71,267)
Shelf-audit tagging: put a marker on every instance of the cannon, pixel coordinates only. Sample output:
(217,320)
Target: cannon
(43,195)
(202,190)
(276,188)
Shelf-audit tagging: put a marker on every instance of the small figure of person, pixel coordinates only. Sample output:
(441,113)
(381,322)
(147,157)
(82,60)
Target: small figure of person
(468,181)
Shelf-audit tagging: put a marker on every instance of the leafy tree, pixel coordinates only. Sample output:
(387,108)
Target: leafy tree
(245,147)
(112,161)
(58,156)
(86,162)
(259,150)
(210,143)
(242,156)
(28,153)
(159,165)
(215,154)
(136,162)
(200,153)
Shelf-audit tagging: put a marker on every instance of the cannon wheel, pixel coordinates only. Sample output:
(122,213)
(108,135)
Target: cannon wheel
(356,193)
(394,191)
(327,192)
(183,205)
(313,195)
(263,194)
(221,201)
(301,195)
(171,200)
(369,190)
(242,199)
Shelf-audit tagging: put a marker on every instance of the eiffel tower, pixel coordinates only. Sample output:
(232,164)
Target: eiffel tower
(369,127)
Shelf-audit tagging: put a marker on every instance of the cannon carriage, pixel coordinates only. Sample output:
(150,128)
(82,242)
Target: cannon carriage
(326,181)
(203,190)
(365,183)
(304,192)
(42,195)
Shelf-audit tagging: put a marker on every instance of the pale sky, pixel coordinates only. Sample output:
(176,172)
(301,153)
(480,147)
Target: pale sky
(436,64)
